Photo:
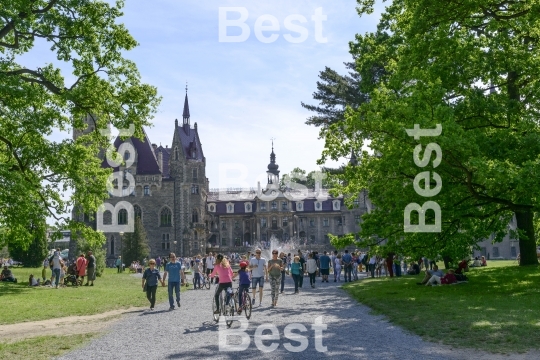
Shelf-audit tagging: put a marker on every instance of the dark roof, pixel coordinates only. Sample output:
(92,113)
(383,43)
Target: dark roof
(166,155)
(185,114)
(146,160)
(190,141)
(309,206)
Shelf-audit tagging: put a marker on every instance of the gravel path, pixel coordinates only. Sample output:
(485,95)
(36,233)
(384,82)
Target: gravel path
(189,333)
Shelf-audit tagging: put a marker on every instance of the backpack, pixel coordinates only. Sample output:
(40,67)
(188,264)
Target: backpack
(51,262)
(461,277)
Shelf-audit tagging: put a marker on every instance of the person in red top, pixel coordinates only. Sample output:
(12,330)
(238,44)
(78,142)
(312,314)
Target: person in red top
(223,270)
(449,278)
(81,267)
(462,266)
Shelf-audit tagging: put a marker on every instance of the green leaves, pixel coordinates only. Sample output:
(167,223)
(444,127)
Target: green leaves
(470,67)
(41,177)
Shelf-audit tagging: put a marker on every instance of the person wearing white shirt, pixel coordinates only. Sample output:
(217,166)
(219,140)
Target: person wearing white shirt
(259,272)
(210,261)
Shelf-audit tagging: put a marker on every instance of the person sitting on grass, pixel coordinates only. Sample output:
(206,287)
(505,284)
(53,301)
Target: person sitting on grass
(463,266)
(414,269)
(7,275)
(476,262)
(449,278)
(32,281)
(430,273)
(483,262)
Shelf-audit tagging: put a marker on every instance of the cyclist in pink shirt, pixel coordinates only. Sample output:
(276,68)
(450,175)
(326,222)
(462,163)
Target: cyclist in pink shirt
(223,270)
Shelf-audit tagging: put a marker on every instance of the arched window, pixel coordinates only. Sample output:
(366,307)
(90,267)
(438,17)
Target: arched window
(107,218)
(112,245)
(165,217)
(195,236)
(122,217)
(138,211)
(195,216)
(175,153)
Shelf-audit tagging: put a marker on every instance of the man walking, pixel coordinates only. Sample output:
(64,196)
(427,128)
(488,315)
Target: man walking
(347,264)
(210,261)
(56,266)
(259,272)
(333,258)
(119,264)
(302,268)
(174,270)
(324,263)
(90,269)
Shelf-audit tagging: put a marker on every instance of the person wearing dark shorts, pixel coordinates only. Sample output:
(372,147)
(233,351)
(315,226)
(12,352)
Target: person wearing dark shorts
(324,262)
(259,271)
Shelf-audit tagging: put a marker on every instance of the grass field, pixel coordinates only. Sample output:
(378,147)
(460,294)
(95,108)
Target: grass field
(42,348)
(496,311)
(111,291)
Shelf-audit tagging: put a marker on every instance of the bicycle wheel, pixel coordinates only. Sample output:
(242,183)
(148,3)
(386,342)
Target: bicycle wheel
(215,316)
(229,312)
(207,283)
(247,305)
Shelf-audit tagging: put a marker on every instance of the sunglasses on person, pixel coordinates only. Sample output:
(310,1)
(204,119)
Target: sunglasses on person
(257,253)
(274,253)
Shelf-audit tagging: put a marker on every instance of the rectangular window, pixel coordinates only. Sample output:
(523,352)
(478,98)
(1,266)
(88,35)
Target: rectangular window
(236,225)
(356,203)
(146,190)
(513,251)
(357,219)
(194,189)
(223,225)
(285,221)
(263,206)
(284,205)
(495,251)
(339,221)
(263,222)
(312,239)
(312,222)
(194,174)
(325,222)
(274,205)
(224,242)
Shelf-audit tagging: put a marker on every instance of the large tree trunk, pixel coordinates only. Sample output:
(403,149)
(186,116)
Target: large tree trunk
(527,241)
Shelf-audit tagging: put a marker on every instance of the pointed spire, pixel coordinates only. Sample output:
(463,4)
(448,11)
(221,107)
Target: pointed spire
(353,160)
(185,114)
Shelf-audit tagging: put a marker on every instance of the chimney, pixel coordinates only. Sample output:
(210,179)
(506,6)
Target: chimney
(154,146)
(160,160)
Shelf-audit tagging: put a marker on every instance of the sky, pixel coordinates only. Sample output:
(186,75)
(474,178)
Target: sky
(241,94)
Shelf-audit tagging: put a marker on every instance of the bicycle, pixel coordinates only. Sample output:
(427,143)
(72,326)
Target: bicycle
(227,308)
(246,303)
(204,283)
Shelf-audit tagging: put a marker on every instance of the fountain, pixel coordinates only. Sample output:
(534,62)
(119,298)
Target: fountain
(290,246)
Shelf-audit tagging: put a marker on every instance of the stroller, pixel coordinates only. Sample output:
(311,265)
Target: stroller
(71,276)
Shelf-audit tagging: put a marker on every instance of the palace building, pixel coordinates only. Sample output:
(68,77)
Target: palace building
(172,197)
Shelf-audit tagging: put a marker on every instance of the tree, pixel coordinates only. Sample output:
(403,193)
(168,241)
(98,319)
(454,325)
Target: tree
(135,247)
(335,92)
(471,68)
(91,79)
(298,176)
(34,254)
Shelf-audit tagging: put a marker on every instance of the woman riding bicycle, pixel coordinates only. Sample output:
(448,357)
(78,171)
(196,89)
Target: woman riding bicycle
(225,274)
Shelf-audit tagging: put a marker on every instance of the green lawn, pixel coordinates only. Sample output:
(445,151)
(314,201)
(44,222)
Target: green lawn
(42,348)
(111,291)
(496,311)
